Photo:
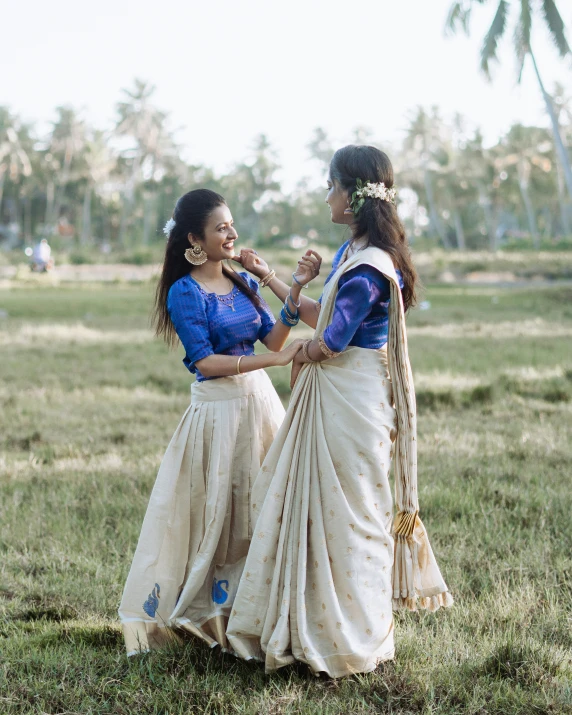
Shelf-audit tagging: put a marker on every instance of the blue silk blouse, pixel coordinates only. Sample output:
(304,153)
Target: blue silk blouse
(206,326)
(361,311)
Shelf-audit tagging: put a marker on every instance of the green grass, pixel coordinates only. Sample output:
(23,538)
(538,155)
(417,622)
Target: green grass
(86,414)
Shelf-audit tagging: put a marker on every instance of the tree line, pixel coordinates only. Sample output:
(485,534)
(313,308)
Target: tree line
(118,187)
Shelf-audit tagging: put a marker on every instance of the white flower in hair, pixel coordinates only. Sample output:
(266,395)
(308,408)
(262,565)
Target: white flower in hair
(169,226)
(380,191)
(373,191)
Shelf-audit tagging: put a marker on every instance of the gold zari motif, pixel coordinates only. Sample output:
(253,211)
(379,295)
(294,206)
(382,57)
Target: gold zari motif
(325,349)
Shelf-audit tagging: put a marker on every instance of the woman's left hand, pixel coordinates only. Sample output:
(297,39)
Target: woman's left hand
(297,365)
(252,262)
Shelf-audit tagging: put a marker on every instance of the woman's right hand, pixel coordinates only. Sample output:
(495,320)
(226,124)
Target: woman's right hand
(287,354)
(252,262)
(308,267)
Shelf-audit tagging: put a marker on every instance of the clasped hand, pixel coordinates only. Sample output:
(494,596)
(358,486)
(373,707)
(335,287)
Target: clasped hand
(307,269)
(308,265)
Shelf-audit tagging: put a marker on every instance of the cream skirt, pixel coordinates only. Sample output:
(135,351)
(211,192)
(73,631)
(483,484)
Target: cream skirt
(317,583)
(197,528)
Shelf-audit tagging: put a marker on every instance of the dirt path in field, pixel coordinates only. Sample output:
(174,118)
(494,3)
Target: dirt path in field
(124,272)
(104,272)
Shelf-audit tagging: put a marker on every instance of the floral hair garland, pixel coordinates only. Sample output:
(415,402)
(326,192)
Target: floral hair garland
(169,226)
(370,190)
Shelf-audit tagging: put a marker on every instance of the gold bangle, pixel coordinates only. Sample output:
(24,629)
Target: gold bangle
(267,279)
(263,282)
(238,365)
(305,352)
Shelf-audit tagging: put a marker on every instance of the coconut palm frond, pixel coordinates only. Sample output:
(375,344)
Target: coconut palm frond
(496,31)
(522,35)
(459,15)
(556,26)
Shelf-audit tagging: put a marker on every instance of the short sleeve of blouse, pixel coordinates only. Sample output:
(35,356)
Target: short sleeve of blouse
(187,310)
(263,310)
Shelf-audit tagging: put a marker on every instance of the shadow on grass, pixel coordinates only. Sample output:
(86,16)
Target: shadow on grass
(189,657)
(56,614)
(529,666)
(552,391)
(106,637)
(388,685)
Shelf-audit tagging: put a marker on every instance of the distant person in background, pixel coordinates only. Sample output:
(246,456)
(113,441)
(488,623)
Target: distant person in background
(197,528)
(42,257)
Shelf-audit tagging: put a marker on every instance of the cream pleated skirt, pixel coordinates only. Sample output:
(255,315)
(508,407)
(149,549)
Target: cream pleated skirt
(197,529)
(317,583)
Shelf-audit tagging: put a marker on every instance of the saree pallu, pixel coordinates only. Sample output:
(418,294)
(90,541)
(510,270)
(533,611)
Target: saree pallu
(328,561)
(197,527)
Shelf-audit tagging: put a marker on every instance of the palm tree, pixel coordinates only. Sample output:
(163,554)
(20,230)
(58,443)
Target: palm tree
(14,160)
(99,162)
(478,169)
(526,148)
(320,148)
(460,16)
(150,145)
(252,185)
(66,144)
(424,158)
(563,109)
(460,176)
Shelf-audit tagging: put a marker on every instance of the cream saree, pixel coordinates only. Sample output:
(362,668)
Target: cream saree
(328,562)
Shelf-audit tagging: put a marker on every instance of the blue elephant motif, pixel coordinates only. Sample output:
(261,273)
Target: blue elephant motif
(152,603)
(219,594)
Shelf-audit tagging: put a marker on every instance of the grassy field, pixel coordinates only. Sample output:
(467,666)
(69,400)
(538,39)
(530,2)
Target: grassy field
(88,403)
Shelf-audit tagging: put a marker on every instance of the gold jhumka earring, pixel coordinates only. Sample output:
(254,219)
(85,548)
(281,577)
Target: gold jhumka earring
(195,255)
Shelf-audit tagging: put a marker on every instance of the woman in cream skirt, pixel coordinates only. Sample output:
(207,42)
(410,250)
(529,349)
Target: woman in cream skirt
(329,560)
(197,528)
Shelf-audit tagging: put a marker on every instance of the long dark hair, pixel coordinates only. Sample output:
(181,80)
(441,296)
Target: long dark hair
(376,219)
(191,213)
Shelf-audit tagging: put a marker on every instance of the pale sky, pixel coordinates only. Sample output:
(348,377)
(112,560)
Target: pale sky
(231,69)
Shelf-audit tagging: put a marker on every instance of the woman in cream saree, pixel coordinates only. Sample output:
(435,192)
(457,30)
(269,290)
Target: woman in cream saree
(328,560)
